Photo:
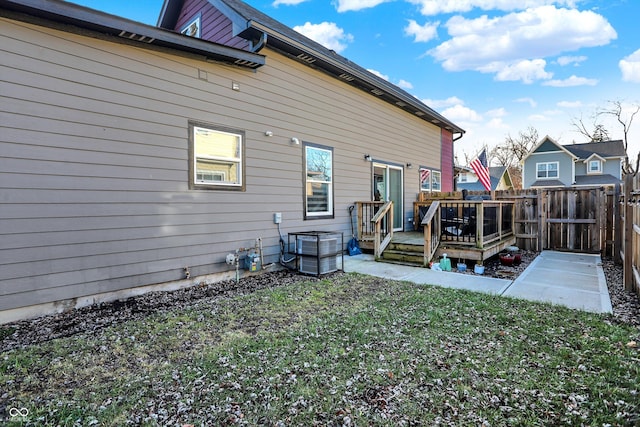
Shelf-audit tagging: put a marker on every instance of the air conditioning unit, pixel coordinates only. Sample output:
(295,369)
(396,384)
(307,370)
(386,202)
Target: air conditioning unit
(309,265)
(317,245)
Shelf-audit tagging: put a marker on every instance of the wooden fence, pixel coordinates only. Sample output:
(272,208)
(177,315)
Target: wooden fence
(579,220)
(630,248)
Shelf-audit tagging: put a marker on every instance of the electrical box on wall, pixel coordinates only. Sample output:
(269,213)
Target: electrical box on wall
(277,218)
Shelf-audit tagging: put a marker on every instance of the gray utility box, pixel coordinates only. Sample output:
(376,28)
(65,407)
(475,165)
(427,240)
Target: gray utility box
(316,252)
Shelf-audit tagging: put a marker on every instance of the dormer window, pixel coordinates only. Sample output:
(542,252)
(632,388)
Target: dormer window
(192,29)
(595,166)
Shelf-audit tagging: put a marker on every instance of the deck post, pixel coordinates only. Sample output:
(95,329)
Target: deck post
(480,225)
(427,244)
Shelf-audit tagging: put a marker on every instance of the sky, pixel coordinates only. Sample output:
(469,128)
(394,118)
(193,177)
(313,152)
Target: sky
(493,67)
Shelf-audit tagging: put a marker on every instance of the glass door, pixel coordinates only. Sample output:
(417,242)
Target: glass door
(388,185)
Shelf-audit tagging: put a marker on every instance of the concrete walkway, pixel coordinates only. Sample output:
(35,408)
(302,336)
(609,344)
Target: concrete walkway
(573,280)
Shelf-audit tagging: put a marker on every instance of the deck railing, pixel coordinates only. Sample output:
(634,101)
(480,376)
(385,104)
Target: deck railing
(472,223)
(375,225)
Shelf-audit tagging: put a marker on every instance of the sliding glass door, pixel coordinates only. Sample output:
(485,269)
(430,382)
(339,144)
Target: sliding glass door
(388,185)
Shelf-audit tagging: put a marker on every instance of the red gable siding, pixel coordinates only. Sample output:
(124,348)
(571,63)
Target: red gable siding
(215,27)
(446,160)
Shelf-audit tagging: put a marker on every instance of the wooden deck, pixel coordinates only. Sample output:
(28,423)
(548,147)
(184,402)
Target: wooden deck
(464,230)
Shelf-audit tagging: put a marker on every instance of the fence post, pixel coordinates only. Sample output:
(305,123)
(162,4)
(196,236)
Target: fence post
(628,234)
(542,219)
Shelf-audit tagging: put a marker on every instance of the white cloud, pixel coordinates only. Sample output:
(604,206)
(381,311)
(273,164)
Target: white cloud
(435,7)
(630,67)
(571,82)
(405,84)
(401,83)
(525,70)
(442,103)
(503,44)
(421,33)
(570,104)
(378,73)
(532,102)
(575,60)
(497,123)
(460,113)
(538,118)
(497,112)
(277,3)
(327,34)
(354,5)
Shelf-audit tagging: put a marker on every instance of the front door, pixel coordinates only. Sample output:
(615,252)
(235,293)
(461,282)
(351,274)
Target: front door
(388,185)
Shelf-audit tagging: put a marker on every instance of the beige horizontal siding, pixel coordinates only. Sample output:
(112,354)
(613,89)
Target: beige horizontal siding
(94,149)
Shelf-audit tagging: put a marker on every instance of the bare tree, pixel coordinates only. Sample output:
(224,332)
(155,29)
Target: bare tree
(624,117)
(617,110)
(514,149)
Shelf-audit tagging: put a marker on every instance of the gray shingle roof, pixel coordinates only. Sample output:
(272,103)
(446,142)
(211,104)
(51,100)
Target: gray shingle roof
(495,174)
(548,183)
(603,149)
(604,179)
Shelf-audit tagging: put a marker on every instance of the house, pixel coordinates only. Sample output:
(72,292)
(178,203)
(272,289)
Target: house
(550,164)
(499,175)
(136,158)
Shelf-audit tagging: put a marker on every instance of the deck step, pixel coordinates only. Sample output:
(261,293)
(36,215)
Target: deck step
(404,257)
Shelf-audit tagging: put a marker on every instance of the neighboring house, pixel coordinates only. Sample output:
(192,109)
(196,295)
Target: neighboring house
(500,179)
(550,164)
(135,158)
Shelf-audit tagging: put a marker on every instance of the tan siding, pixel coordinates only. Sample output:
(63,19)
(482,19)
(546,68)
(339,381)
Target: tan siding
(93,160)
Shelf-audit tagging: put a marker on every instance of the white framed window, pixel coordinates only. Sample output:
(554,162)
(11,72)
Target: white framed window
(425,179)
(192,28)
(318,188)
(594,166)
(216,157)
(547,170)
(463,177)
(436,178)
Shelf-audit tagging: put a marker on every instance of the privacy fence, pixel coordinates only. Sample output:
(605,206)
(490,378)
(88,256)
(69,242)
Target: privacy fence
(630,248)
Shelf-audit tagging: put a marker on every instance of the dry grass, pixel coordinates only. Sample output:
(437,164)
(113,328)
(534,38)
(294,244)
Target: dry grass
(349,350)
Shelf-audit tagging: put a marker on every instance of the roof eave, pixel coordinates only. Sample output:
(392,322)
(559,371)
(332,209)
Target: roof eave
(81,18)
(354,77)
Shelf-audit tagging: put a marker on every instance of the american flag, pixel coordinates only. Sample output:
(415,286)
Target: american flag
(424,175)
(481,169)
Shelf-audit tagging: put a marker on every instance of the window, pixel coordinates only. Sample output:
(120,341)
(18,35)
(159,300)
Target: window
(436,181)
(192,29)
(595,166)
(547,170)
(463,177)
(216,158)
(425,179)
(318,167)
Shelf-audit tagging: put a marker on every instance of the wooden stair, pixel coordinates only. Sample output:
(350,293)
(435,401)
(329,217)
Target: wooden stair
(404,253)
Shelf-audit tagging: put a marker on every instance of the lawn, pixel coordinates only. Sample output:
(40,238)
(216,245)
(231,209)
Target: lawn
(348,350)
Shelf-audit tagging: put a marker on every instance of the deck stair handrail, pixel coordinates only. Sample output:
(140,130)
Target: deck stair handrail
(431,226)
(383,226)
